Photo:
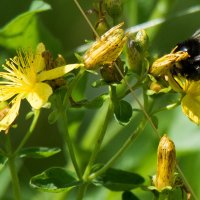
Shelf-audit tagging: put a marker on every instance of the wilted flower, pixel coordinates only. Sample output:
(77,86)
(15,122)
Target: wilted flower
(24,77)
(106,49)
(166,161)
(163,65)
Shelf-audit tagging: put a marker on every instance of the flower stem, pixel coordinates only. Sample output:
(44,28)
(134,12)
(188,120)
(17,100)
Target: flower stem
(15,180)
(164,195)
(99,139)
(13,172)
(86,18)
(12,156)
(82,191)
(69,143)
(129,141)
(29,132)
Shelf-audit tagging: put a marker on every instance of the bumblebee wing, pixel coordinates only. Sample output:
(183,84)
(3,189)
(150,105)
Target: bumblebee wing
(196,35)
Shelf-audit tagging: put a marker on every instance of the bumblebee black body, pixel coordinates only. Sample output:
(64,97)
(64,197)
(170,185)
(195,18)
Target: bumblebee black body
(190,67)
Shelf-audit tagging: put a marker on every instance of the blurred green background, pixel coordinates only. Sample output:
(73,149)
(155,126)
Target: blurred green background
(63,29)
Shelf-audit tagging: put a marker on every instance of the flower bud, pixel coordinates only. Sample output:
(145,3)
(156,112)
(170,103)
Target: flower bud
(101,27)
(113,7)
(110,74)
(136,50)
(166,162)
(106,49)
(155,86)
(142,41)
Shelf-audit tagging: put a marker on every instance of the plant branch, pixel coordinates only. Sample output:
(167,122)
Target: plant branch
(29,132)
(13,171)
(99,140)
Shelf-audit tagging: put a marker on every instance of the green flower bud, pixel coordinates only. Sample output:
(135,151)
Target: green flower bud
(101,27)
(142,41)
(136,50)
(113,7)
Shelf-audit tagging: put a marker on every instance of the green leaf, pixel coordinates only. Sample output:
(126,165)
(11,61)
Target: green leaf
(38,152)
(23,29)
(127,195)
(39,6)
(119,180)
(164,101)
(123,111)
(53,116)
(55,179)
(97,102)
(99,83)
(3,161)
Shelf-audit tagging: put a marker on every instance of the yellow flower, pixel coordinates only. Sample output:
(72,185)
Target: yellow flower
(23,79)
(191,101)
(106,49)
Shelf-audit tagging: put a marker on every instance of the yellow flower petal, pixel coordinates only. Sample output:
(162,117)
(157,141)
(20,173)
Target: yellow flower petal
(192,87)
(11,115)
(57,72)
(191,107)
(39,95)
(7,92)
(39,62)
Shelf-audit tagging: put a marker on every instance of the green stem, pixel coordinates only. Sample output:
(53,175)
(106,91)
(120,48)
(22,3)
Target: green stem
(12,155)
(99,138)
(73,83)
(129,141)
(29,132)
(186,183)
(134,87)
(82,191)
(13,172)
(86,18)
(165,195)
(69,143)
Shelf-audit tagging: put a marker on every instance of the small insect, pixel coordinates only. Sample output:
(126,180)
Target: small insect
(183,60)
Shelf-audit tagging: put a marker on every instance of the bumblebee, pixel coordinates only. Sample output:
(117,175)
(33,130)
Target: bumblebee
(184,60)
(189,67)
